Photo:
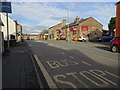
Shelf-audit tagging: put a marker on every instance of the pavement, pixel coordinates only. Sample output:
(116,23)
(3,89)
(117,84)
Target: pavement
(17,68)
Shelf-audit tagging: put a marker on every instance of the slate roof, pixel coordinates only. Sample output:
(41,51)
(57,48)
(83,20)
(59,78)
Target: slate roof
(118,2)
(74,24)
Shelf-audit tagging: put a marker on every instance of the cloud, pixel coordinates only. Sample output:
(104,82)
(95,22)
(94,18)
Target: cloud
(42,15)
(33,29)
(64,0)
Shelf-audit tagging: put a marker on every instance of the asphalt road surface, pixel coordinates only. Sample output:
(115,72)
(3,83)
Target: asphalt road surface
(76,64)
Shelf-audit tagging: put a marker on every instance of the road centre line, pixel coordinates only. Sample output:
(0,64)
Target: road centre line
(49,80)
(86,63)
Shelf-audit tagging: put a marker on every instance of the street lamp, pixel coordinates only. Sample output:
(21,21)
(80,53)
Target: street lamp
(68,28)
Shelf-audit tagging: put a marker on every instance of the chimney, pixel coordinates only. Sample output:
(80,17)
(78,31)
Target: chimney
(118,19)
(76,19)
(64,22)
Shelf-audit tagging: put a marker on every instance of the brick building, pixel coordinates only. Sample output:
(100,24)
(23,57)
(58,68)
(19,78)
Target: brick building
(30,37)
(118,19)
(19,32)
(82,27)
(55,31)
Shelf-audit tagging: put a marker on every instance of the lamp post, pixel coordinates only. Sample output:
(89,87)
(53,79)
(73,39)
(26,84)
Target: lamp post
(68,30)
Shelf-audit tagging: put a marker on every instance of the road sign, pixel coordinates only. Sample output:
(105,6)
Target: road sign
(5,7)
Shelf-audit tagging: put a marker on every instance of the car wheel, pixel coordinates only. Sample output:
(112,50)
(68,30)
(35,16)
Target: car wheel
(83,40)
(115,49)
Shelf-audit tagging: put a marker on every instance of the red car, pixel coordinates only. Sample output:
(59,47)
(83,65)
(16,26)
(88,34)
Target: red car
(115,44)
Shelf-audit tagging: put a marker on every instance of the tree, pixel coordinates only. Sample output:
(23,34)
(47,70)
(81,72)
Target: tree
(111,25)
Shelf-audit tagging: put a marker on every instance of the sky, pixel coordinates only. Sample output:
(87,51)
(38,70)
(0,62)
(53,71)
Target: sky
(38,16)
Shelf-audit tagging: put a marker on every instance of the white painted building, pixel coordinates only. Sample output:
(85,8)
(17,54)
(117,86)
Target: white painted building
(1,38)
(12,27)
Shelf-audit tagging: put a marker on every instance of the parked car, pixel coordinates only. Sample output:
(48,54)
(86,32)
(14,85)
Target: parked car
(115,44)
(105,39)
(83,38)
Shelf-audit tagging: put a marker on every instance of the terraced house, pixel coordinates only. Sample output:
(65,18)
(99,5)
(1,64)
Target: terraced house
(55,31)
(83,27)
(80,27)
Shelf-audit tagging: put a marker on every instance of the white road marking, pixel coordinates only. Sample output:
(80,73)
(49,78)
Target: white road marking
(49,80)
(30,45)
(112,74)
(51,44)
(38,41)
(71,57)
(86,63)
(62,52)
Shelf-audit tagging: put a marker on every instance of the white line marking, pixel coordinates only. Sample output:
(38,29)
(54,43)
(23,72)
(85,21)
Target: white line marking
(49,80)
(62,53)
(30,45)
(71,57)
(86,63)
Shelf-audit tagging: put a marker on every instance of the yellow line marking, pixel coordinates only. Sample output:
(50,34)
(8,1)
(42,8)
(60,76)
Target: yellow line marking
(30,45)
(97,84)
(64,65)
(112,74)
(64,82)
(38,77)
(62,53)
(73,74)
(53,64)
(86,63)
(100,75)
(71,57)
(49,80)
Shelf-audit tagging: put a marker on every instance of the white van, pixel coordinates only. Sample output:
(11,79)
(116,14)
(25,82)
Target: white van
(83,38)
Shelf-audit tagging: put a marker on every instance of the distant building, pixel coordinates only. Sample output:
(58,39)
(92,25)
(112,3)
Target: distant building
(44,35)
(40,37)
(19,32)
(30,37)
(54,31)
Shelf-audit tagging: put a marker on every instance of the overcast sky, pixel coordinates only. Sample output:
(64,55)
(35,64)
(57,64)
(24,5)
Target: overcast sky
(37,16)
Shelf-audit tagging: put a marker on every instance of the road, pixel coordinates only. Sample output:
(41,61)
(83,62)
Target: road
(76,64)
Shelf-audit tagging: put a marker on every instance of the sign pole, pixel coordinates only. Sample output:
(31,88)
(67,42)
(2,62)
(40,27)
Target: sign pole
(8,43)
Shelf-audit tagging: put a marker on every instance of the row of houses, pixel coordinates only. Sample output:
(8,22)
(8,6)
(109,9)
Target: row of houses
(14,28)
(79,27)
(30,37)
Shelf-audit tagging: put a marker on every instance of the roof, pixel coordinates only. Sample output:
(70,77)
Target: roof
(82,20)
(87,19)
(118,2)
